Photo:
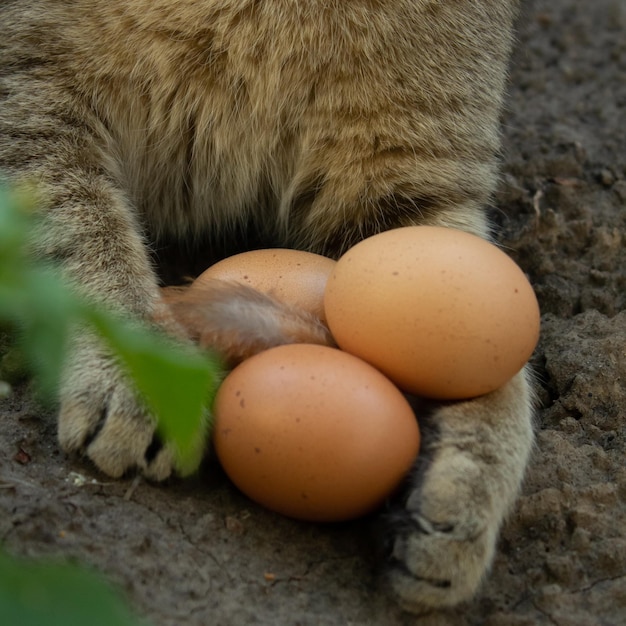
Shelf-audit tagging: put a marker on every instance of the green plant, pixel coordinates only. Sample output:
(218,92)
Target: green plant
(177,383)
(52,594)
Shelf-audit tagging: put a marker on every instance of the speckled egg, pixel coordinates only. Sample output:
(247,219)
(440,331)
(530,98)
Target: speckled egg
(443,313)
(313,433)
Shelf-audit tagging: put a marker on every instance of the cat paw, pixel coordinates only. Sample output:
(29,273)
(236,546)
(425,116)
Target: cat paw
(101,418)
(442,534)
(443,539)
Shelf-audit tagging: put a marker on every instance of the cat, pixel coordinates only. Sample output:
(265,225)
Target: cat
(155,128)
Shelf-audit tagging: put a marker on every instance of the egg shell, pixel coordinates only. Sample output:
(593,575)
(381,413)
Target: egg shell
(295,277)
(443,313)
(313,433)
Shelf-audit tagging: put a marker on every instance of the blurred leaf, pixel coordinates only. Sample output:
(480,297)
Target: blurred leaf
(177,383)
(44,330)
(13,365)
(15,215)
(44,594)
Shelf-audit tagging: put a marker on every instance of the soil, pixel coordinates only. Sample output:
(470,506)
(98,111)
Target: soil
(196,552)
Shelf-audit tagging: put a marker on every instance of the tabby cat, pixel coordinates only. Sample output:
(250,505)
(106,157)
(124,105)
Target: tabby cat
(191,129)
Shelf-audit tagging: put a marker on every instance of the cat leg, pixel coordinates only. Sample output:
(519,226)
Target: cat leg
(441,536)
(89,229)
(100,413)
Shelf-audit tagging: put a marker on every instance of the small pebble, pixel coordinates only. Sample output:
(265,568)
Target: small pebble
(607,177)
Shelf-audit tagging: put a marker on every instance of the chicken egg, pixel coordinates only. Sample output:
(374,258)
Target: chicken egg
(443,313)
(313,433)
(295,277)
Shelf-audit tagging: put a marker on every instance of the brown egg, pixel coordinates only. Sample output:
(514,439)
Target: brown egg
(444,314)
(313,433)
(292,276)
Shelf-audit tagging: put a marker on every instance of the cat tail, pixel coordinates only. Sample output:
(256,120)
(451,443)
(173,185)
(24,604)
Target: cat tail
(237,321)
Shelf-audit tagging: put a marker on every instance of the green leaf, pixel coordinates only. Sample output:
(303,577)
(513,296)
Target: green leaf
(46,594)
(50,309)
(16,211)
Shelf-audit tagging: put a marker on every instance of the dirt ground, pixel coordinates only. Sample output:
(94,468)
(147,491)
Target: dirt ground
(196,552)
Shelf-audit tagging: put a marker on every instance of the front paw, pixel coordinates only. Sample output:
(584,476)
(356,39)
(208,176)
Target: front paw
(443,537)
(102,418)
(442,534)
